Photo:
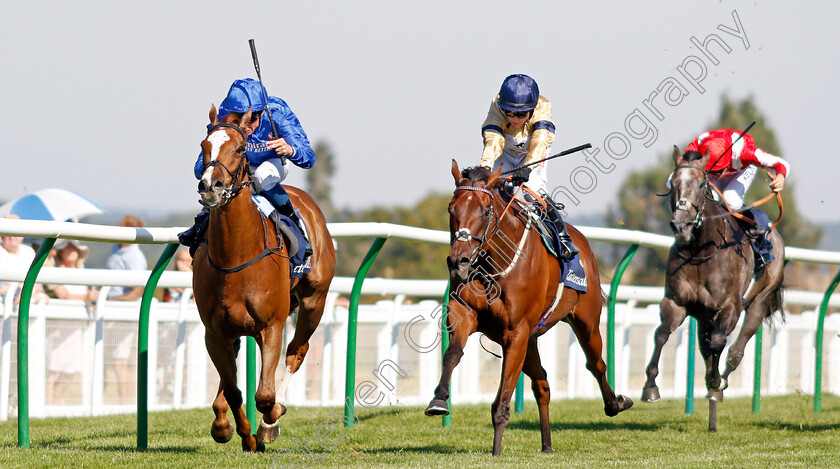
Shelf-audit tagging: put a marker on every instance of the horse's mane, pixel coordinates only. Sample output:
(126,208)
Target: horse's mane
(479,174)
(476,173)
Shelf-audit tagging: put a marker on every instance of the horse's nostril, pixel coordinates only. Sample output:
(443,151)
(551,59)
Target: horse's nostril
(201,187)
(464,261)
(217,184)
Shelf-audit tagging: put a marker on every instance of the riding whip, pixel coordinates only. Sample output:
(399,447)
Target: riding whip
(265,93)
(562,153)
(733,143)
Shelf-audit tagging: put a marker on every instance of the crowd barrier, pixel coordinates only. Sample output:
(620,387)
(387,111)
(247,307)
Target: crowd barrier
(628,317)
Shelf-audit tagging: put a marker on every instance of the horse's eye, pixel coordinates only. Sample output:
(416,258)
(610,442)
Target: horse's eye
(241,150)
(488,210)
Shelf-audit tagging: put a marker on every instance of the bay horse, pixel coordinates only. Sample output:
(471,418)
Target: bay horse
(709,269)
(508,307)
(242,283)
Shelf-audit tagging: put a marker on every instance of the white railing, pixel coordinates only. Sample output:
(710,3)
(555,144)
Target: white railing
(397,339)
(181,375)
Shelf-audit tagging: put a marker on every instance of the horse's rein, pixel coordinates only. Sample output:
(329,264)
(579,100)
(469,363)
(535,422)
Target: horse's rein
(737,212)
(734,212)
(463,234)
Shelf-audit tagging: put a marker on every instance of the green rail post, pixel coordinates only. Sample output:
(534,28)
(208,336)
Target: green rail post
(251,384)
(519,405)
(143,347)
(23,341)
(446,420)
(689,372)
(616,281)
(819,344)
(756,401)
(352,320)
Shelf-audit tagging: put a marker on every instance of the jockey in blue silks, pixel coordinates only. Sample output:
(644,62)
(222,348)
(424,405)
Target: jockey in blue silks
(264,150)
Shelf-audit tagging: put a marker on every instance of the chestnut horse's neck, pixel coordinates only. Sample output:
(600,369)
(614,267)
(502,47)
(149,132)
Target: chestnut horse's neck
(236,233)
(504,244)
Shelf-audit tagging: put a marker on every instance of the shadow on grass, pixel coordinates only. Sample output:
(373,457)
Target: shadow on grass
(796,427)
(439,449)
(590,426)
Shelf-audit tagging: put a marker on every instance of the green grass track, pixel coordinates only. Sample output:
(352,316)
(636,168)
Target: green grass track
(787,433)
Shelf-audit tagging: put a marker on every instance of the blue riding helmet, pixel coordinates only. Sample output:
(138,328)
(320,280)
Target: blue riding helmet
(244,94)
(519,93)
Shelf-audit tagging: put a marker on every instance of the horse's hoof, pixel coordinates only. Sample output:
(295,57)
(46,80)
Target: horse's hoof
(267,433)
(260,447)
(650,394)
(437,407)
(716,396)
(622,403)
(224,438)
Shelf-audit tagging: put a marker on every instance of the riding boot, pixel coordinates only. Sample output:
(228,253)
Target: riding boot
(763,251)
(569,250)
(194,235)
(760,232)
(281,202)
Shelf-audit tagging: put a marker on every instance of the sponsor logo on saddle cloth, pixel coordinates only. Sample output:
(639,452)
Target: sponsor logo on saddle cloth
(299,263)
(571,271)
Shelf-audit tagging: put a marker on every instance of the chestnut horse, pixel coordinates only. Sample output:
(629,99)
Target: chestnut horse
(709,269)
(242,284)
(505,296)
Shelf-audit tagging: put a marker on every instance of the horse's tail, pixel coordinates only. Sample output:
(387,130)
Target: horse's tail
(777,304)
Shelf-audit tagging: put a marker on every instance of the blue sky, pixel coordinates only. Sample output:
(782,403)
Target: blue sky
(111,99)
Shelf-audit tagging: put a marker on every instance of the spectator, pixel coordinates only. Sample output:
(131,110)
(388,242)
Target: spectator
(69,254)
(64,365)
(14,254)
(127,257)
(183,263)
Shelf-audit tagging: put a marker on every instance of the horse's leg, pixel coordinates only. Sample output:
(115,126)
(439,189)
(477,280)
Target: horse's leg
(270,341)
(671,316)
(515,346)
(309,311)
(589,336)
(460,324)
(762,306)
(222,354)
(712,342)
(539,384)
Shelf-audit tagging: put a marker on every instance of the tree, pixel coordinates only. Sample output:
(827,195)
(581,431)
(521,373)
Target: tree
(400,259)
(319,178)
(639,208)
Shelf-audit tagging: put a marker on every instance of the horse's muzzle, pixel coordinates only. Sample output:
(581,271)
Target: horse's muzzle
(682,232)
(210,192)
(459,267)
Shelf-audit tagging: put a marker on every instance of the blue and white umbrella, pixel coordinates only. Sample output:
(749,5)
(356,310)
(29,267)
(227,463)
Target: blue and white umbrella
(51,204)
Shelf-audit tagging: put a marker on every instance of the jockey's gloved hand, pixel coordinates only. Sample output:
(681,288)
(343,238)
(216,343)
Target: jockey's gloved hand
(520,176)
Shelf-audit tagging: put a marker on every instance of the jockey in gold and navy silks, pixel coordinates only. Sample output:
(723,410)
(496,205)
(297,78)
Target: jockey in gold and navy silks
(518,129)
(249,94)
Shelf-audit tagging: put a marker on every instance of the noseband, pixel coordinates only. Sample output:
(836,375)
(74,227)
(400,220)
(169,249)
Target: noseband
(229,192)
(463,234)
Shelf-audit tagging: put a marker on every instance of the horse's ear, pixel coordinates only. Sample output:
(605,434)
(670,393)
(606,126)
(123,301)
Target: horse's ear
(246,118)
(214,115)
(705,160)
(494,177)
(676,156)
(456,172)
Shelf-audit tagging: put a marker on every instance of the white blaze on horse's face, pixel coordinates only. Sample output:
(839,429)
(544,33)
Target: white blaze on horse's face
(216,140)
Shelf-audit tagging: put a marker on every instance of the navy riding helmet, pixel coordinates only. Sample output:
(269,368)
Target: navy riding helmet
(519,93)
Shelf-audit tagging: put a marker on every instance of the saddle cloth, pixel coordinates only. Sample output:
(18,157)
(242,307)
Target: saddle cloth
(571,271)
(299,262)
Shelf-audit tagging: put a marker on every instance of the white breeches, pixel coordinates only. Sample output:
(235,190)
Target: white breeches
(270,173)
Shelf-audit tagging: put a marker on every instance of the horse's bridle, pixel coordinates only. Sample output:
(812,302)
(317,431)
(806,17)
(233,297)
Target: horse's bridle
(683,203)
(463,234)
(229,192)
